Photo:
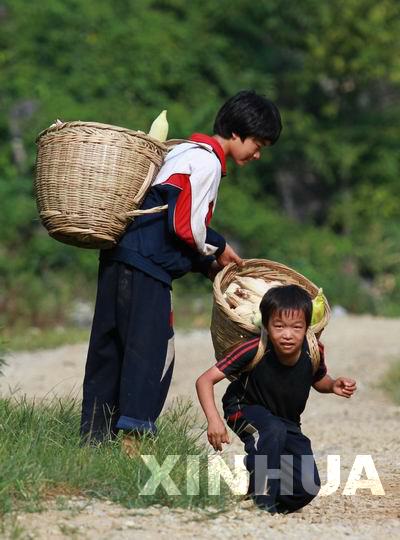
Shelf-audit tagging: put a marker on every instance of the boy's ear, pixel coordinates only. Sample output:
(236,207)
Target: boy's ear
(235,136)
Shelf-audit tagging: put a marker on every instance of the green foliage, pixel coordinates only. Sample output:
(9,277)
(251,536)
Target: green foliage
(41,455)
(325,258)
(323,200)
(391,382)
(33,338)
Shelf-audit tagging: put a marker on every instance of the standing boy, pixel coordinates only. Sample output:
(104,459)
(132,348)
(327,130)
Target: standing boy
(131,353)
(264,402)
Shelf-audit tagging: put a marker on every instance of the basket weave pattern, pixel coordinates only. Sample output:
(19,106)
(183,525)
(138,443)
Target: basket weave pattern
(89,176)
(229,330)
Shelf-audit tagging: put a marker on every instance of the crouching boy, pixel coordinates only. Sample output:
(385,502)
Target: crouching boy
(265,399)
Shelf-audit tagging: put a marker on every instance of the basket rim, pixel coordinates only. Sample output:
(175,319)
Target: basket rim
(98,125)
(248,264)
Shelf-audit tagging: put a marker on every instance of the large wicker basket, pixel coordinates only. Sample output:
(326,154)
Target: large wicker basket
(229,330)
(89,179)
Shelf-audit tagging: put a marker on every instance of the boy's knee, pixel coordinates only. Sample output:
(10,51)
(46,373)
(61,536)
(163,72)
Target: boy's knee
(310,494)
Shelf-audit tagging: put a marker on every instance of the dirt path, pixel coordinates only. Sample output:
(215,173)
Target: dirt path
(368,424)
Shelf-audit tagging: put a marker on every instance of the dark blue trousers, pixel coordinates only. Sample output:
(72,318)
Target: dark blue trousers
(131,353)
(283,473)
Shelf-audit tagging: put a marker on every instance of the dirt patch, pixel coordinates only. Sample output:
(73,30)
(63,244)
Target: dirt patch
(368,424)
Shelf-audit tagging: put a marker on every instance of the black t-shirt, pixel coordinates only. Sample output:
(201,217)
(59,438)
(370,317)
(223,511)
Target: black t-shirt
(282,389)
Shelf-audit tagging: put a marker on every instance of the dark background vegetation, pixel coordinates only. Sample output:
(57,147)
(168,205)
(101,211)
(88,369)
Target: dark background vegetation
(324,199)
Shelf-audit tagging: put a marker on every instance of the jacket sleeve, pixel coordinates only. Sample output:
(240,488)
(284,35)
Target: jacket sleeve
(215,239)
(202,263)
(191,211)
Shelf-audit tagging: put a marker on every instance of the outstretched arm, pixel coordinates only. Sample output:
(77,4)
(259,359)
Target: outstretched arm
(210,266)
(216,431)
(189,214)
(342,386)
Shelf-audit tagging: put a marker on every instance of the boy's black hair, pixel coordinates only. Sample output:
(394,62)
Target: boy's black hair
(249,115)
(286,298)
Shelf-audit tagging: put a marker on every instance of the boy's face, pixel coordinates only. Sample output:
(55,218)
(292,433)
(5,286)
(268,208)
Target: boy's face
(244,151)
(287,330)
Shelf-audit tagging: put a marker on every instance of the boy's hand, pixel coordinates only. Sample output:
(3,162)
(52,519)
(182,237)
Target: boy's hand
(217,434)
(344,387)
(228,256)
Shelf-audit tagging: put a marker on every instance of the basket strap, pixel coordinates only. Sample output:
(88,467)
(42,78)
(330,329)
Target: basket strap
(262,346)
(145,186)
(135,213)
(314,350)
(140,195)
(174,142)
(312,345)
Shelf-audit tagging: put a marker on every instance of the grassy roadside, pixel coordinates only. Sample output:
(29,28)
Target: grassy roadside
(42,458)
(391,381)
(189,313)
(32,339)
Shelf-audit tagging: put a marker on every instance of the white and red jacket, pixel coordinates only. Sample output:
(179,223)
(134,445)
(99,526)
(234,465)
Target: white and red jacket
(169,244)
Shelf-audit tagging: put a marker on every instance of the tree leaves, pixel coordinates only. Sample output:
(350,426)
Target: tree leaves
(332,67)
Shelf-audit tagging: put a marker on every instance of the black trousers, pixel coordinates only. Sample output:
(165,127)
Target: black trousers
(131,353)
(283,473)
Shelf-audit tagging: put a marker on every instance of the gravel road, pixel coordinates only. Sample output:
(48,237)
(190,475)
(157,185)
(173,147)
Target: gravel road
(367,424)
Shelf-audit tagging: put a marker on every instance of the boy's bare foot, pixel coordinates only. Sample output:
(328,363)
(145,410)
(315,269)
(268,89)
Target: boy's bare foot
(130,445)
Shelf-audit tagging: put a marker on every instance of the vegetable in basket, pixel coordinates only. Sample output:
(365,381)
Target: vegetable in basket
(244,295)
(318,310)
(159,128)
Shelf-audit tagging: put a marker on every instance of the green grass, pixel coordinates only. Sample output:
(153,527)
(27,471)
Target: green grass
(41,457)
(391,381)
(31,339)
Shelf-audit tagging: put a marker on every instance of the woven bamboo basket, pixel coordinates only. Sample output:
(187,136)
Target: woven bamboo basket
(90,178)
(229,329)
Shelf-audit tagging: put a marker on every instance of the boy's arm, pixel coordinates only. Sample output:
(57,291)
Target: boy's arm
(342,386)
(229,366)
(207,266)
(216,431)
(210,266)
(322,382)
(189,215)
